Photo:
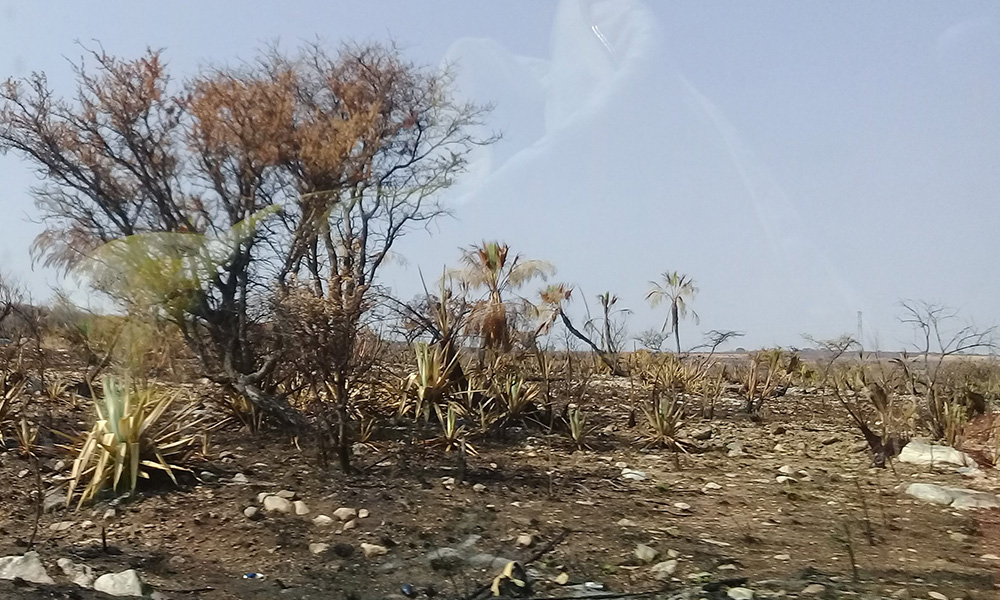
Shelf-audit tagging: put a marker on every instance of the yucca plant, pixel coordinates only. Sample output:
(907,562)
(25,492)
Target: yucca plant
(429,382)
(9,392)
(27,438)
(578,430)
(241,411)
(56,387)
(766,377)
(132,437)
(517,397)
(665,421)
(452,433)
(366,430)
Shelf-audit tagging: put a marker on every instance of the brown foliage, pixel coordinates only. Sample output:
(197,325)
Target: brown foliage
(352,146)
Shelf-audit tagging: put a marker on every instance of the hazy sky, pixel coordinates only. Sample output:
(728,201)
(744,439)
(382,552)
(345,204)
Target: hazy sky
(802,161)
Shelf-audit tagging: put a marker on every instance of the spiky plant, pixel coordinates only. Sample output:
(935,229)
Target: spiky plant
(55,388)
(452,433)
(132,437)
(665,422)
(578,430)
(9,392)
(517,397)
(427,385)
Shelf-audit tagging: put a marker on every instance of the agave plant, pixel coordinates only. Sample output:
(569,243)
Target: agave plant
(132,437)
(665,422)
(8,394)
(517,396)
(452,433)
(428,383)
(578,430)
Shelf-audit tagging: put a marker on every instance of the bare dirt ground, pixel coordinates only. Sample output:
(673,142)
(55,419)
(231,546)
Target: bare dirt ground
(722,514)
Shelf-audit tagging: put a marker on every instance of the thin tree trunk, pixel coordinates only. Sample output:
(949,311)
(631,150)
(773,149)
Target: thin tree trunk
(343,436)
(677,333)
(608,359)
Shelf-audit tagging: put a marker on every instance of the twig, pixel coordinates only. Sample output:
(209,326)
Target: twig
(376,463)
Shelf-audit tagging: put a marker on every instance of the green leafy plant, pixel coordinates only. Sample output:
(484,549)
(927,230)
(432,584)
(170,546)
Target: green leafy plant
(452,433)
(665,421)
(9,392)
(427,385)
(516,396)
(132,437)
(578,430)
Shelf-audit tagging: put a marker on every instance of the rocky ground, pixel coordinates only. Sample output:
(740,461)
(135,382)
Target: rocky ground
(772,509)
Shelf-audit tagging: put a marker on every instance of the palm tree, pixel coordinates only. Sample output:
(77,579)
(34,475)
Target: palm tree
(678,290)
(486,266)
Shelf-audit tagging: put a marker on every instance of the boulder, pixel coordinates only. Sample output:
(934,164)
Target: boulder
(28,567)
(922,453)
(959,498)
(126,583)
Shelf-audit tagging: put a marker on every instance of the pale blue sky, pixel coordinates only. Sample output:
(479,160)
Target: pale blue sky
(802,161)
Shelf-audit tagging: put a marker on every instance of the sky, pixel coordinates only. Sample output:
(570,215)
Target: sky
(801,161)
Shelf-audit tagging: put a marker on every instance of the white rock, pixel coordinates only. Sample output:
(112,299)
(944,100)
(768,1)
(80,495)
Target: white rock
(627,523)
(240,479)
(662,571)
(633,475)
(252,513)
(937,596)
(110,514)
(740,593)
(262,495)
(81,575)
(814,589)
(287,495)
(277,504)
(525,541)
(300,507)
(479,488)
(126,583)
(322,521)
(350,524)
(786,470)
(922,453)
(318,548)
(371,550)
(61,526)
(785,479)
(711,485)
(345,514)
(645,553)
(959,498)
(28,567)
(929,492)
(363,513)
(682,506)
(782,557)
